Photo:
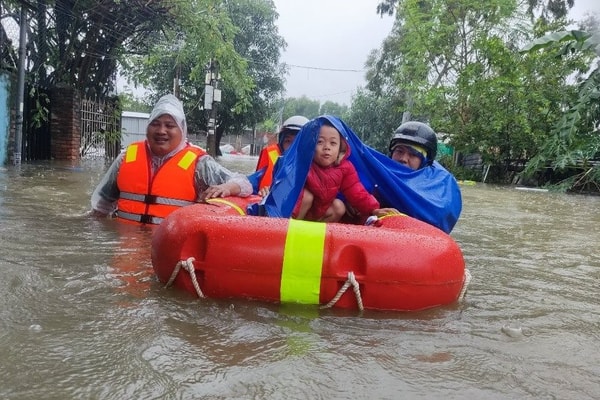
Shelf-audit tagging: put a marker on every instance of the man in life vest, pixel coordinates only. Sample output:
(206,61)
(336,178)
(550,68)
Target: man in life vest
(152,178)
(270,154)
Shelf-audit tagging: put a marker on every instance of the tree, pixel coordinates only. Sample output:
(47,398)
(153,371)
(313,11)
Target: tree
(575,138)
(241,36)
(130,103)
(79,44)
(456,65)
(333,108)
(300,106)
(373,118)
(259,43)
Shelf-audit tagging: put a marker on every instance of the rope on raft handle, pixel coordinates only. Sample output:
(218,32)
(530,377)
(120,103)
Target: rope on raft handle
(187,265)
(350,281)
(463,291)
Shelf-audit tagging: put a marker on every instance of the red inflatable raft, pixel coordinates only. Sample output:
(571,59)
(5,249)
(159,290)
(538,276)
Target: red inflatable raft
(398,263)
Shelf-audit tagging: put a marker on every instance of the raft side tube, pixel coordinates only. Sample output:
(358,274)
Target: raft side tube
(403,264)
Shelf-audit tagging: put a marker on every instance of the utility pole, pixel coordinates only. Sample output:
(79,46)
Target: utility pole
(406,115)
(20,88)
(177,80)
(212,96)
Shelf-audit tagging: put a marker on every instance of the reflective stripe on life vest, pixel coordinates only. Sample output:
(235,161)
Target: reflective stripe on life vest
(151,199)
(302,262)
(143,219)
(273,154)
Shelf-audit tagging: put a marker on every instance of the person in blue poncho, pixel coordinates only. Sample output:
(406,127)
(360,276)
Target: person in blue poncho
(430,193)
(414,144)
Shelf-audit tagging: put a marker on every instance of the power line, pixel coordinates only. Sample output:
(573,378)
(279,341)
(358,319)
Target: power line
(324,69)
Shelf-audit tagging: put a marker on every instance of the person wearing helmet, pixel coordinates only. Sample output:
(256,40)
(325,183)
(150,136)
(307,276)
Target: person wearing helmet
(430,193)
(414,144)
(270,154)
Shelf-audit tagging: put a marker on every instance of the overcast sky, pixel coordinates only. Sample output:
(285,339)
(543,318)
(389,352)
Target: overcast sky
(329,41)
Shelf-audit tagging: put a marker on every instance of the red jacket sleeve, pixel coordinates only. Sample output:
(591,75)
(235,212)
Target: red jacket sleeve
(354,191)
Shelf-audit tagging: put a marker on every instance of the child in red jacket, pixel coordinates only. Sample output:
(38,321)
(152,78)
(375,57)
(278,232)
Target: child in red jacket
(331,173)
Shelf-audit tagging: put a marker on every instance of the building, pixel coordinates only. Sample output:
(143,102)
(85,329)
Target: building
(133,127)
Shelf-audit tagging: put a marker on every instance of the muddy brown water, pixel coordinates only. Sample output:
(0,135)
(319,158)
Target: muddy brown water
(83,317)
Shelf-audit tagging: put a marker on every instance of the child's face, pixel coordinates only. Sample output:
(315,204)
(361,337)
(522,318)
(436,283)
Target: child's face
(328,146)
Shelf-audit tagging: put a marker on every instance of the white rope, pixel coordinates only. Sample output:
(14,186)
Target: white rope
(187,265)
(463,291)
(350,281)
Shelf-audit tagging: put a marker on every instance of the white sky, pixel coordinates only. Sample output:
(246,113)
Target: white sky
(330,40)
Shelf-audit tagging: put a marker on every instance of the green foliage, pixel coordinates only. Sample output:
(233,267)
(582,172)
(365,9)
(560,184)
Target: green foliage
(40,112)
(258,42)
(198,32)
(575,139)
(131,103)
(301,106)
(241,37)
(456,64)
(79,44)
(267,125)
(374,118)
(332,108)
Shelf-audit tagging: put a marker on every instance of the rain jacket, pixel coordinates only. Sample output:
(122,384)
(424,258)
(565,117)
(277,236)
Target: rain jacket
(430,194)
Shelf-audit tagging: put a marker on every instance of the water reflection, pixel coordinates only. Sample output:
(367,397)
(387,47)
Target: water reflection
(82,315)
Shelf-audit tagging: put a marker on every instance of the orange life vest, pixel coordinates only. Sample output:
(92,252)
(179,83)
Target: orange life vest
(267,159)
(146,199)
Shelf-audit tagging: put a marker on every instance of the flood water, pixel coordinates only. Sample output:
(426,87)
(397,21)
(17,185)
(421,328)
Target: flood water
(82,315)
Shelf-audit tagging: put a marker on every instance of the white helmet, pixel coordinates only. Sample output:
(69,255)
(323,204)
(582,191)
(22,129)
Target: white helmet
(292,125)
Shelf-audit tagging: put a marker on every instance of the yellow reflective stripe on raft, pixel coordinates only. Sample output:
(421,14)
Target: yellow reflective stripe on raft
(302,262)
(228,203)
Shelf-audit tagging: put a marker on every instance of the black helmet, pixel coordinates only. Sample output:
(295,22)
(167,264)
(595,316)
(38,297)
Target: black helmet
(417,133)
(291,125)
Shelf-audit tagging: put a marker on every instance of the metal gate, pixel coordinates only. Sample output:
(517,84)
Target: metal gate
(100,129)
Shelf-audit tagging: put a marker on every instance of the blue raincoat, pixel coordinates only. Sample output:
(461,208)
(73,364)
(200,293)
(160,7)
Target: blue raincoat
(430,194)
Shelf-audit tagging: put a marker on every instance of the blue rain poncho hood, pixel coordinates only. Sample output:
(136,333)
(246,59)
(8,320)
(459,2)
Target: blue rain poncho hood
(430,194)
